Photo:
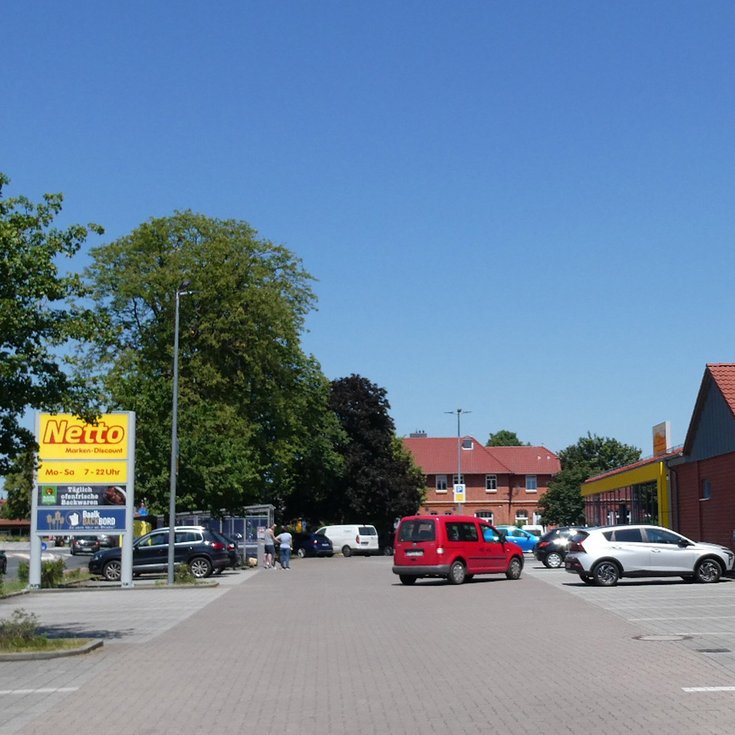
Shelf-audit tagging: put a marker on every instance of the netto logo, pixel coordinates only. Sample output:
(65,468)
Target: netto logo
(62,432)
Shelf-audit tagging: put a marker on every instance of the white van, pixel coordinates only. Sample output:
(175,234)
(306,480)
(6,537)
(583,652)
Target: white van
(352,539)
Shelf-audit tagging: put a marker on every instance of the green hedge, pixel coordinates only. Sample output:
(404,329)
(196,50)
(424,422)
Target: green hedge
(52,573)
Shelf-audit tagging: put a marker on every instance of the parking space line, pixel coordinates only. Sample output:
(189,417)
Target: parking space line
(698,690)
(684,617)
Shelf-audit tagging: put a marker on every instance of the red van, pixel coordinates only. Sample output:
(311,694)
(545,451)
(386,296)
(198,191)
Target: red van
(453,547)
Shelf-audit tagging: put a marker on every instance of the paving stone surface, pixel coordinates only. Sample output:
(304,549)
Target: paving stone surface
(339,646)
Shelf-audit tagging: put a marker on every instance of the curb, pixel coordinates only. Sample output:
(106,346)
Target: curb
(90,645)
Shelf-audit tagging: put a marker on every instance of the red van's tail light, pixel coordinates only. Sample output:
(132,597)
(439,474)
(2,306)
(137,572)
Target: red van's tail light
(439,549)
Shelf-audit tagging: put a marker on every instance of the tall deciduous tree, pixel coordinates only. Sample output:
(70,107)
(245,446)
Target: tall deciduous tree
(591,455)
(380,480)
(19,486)
(42,313)
(504,438)
(254,424)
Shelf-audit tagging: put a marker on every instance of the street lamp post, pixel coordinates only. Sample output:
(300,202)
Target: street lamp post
(174,441)
(459,413)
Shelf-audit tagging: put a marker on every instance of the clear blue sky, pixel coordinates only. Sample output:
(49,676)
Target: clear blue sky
(520,209)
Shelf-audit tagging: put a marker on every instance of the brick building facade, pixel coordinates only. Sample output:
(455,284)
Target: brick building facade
(703,479)
(689,489)
(502,484)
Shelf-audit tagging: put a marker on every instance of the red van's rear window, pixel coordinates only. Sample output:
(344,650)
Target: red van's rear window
(417,530)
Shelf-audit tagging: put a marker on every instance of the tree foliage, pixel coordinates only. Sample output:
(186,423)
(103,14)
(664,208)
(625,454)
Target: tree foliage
(505,438)
(19,486)
(253,419)
(592,455)
(380,481)
(42,314)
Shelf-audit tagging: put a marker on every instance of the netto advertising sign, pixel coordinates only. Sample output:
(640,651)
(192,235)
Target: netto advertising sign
(83,470)
(84,482)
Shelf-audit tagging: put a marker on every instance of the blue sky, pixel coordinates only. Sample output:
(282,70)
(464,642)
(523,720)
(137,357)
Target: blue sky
(520,209)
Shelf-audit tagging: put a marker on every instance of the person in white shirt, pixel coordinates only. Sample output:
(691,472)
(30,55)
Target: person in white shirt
(285,540)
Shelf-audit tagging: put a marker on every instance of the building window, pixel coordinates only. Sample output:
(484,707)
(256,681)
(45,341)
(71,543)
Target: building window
(521,517)
(458,479)
(706,489)
(466,443)
(531,483)
(486,515)
(491,483)
(441,483)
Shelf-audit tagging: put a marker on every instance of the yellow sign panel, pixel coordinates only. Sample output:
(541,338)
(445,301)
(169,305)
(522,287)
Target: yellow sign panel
(70,473)
(661,435)
(64,436)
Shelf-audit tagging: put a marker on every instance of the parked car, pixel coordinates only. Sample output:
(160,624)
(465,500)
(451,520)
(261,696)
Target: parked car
(312,544)
(83,545)
(526,540)
(352,538)
(453,547)
(234,552)
(107,540)
(3,562)
(198,547)
(386,540)
(603,555)
(535,529)
(552,547)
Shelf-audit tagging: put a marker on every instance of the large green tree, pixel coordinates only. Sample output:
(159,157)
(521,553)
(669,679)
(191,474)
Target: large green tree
(380,481)
(253,419)
(592,455)
(43,315)
(19,486)
(504,438)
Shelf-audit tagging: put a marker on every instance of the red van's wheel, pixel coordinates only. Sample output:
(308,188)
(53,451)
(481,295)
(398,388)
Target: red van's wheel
(514,568)
(457,573)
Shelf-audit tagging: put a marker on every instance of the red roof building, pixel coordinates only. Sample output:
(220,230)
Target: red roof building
(703,485)
(502,484)
(689,489)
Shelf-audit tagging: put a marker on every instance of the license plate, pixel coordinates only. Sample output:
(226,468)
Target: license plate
(415,552)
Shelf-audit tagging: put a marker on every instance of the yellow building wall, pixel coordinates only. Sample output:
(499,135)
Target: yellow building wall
(653,472)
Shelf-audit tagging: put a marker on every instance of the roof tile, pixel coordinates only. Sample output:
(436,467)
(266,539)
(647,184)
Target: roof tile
(438,455)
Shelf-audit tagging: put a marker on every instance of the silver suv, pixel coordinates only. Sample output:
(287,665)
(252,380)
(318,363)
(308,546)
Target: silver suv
(604,555)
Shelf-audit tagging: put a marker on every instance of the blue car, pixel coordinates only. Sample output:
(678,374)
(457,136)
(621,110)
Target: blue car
(525,539)
(312,544)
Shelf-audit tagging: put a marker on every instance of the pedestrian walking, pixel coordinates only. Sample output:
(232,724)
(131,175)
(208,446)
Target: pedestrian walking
(285,540)
(270,547)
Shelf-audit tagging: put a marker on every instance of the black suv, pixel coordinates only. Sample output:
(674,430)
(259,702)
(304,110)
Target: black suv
(552,547)
(199,548)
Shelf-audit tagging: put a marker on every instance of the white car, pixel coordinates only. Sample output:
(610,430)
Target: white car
(603,555)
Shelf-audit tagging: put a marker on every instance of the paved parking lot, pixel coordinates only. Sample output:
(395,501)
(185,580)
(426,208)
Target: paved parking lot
(339,646)
(701,617)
